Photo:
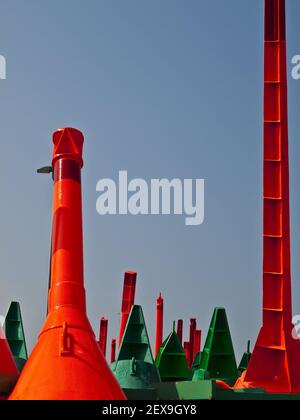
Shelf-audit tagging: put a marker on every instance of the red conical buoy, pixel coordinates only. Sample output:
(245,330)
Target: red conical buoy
(66,363)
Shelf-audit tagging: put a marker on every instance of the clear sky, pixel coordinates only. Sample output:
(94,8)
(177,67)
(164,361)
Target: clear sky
(168,88)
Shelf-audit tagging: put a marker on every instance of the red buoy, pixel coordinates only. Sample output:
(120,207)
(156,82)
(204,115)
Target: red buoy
(127,300)
(159,323)
(66,363)
(274,365)
(103,335)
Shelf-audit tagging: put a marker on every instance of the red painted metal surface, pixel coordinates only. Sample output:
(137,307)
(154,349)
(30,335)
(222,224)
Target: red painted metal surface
(103,335)
(193,326)
(186,346)
(159,323)
(197,343)
(180,330)
(8,370)
(127,300)
(274,364)
(113,350)
(66,363)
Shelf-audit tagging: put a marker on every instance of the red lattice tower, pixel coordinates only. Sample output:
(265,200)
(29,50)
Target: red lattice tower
(275,360)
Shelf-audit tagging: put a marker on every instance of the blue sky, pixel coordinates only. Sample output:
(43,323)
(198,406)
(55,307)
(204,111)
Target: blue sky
(169,89)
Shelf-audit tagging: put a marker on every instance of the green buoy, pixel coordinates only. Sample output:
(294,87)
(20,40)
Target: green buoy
(245,360)
(218,360)
(15,336)
(171,360)
(196,362)
(134,367)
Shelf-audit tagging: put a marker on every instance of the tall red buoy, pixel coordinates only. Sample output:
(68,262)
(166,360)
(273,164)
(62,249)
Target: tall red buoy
(193,326)
(127,300)
(159,323)
(180,329)
(113,350)
(186,346)
(103,335)
(197,343)
(66,363)
(274,364)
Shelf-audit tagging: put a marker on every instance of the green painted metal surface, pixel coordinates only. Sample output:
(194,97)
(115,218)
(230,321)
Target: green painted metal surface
(218,359)
(207,390)
(253,395)
(171,360)
(144,394)
(15,336)
(175,391)
(245,360)
(134,367)
(196,362)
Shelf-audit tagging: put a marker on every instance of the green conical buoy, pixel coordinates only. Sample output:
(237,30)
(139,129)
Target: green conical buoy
(15,336)
(196,362)
(218,360)
(171,360)
(134,367)
(245,360)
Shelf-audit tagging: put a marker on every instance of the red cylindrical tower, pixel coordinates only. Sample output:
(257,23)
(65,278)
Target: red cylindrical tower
(186,346)
(180,329)
(66,363)
(197,343)
(113,350)
(159,323)
(103,335)
(127,300)
(193,326)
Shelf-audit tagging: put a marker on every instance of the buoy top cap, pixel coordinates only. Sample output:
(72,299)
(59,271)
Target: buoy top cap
(68,144)
(160,300)
(131,273)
